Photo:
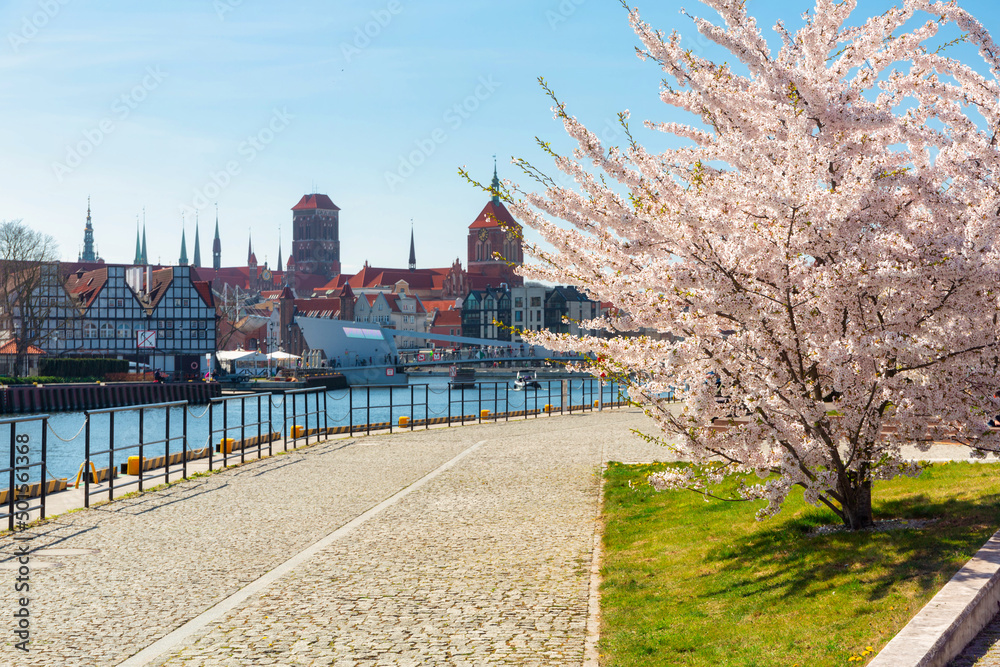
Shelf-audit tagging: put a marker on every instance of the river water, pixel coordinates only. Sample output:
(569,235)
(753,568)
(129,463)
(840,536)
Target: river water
(238,417)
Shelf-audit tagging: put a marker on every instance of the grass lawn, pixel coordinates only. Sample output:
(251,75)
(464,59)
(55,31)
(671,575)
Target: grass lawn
(689,582)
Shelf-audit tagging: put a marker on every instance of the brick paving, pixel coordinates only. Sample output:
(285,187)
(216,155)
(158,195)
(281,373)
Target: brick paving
(485,563)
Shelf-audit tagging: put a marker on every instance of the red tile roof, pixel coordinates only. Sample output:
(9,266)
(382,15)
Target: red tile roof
(204,290)
(86,286)
(313,202)
(11,348)
(448,318)
(318,307)
(494,215)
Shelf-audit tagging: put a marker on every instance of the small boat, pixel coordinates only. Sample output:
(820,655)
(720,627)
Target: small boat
(463,378)
(526,380)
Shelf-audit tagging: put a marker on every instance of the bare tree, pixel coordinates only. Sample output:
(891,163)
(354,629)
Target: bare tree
(30,286)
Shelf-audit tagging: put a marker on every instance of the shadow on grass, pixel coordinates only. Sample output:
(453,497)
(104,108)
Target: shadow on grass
(801,563)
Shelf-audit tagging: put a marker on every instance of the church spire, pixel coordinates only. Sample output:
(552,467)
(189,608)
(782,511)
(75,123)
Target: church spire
(145,257)
(138,247)
(495,186)
(88,254)
(183,260)
(280,267)
(197,243)
(413,250)
(251,259)
(216,244)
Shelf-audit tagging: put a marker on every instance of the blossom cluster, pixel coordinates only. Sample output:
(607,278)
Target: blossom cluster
(816,267)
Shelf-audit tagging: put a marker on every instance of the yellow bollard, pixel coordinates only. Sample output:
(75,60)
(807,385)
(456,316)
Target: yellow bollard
(226,445)
(595,403)
(404,421)
(548,409)
(484,414)
(298,431)
(134,465)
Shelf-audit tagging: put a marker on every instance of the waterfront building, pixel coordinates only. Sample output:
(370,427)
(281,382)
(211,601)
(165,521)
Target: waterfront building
(399,310)
(499,313)
(104,312)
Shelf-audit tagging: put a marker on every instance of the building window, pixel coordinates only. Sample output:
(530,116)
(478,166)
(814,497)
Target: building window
(120,303)
(517,316)
(536,301)
(124,331)
(90,330)
(107,330)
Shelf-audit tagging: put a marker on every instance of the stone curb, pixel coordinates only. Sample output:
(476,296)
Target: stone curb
(953,617)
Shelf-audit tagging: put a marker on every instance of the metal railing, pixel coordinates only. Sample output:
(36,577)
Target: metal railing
(226,444)
(295,432)
(245,425)
(90,471)
(21,462)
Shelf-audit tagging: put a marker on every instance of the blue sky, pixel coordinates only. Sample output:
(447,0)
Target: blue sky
(174,107)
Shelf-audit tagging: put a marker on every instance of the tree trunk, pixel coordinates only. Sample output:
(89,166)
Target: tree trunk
(857,502)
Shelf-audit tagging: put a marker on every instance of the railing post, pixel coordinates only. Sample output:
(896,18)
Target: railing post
(449,405)
(368,411)
(12,489)
(243,429)
(479,401)
(45,482)
(86,460)
(184,442)
(270,426)
(111,454)
(350,412)
(166,446)
(390,409)
(142,460)
(326,413)
(211,434)
(225,434)
(284,420)
(260,422)
(413,411)
(427,406)
(506,400)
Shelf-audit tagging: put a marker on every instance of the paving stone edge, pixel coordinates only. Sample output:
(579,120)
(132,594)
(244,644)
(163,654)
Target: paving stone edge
(953,617)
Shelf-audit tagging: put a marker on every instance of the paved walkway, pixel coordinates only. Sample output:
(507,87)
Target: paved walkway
(461,546)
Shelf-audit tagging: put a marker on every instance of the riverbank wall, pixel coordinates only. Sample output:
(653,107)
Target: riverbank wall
(21,399)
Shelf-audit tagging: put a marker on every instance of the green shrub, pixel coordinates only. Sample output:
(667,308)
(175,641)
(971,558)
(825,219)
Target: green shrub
(81,368)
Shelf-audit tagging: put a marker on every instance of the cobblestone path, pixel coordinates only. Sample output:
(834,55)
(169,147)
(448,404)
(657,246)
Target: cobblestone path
(483,562)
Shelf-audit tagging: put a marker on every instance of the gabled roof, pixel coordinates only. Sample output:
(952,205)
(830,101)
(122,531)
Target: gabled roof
(494,215)
(447,318)
(315,201)
(318,307)
(204,290)
(158,285)
(86,286)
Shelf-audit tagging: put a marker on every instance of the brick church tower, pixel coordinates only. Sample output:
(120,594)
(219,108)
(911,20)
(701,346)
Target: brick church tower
(316,236)
(495,231)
